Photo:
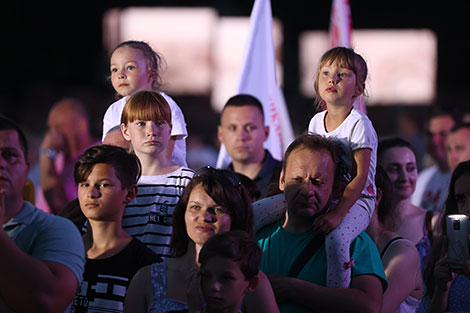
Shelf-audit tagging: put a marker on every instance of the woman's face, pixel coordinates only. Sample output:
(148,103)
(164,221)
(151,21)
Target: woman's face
(400,165)
(462,194)
(204,217)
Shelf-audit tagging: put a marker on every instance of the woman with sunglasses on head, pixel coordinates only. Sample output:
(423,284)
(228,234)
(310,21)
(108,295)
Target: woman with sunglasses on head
(213,202)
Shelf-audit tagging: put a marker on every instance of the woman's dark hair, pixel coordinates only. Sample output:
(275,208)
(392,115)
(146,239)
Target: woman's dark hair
(224,192)
(388,217)
(392,142)
(450,207)
(236,245)
(126,165)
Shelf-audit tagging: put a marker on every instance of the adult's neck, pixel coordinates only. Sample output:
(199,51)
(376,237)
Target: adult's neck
(249,168)
(404,206)
(379,233)
(297,224)
(13,205)
(381,237)
(189,259)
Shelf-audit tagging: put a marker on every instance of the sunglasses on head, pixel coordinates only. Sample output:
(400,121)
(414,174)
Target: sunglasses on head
(231,176)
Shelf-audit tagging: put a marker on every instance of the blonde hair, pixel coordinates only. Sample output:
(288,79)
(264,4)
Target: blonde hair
(146,106)
(347,58)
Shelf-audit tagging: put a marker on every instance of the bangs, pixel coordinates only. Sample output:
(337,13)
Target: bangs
(343,57)
(146,106)
(222,196)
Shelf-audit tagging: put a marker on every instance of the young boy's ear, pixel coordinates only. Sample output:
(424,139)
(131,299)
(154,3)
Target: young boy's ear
(252,284)
(131,193)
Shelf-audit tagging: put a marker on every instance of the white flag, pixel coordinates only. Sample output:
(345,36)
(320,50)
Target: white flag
(258,78)
(340,35)
(340,24)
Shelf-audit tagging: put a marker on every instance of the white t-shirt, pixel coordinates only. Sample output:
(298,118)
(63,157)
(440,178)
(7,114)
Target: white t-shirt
(431,189)
(112,118)
(356,132)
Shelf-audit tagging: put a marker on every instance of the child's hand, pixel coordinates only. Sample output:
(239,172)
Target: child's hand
(327,222)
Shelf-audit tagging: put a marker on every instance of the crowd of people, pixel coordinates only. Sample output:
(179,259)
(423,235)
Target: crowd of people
(343,223)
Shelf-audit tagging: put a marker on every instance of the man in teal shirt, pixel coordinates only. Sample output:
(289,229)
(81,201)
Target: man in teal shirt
(309,178)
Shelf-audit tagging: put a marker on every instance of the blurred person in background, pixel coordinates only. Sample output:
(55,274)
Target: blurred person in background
(68,135)
(458,145)
(432,184)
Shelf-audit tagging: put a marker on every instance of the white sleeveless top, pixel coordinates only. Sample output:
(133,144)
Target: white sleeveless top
(410,303)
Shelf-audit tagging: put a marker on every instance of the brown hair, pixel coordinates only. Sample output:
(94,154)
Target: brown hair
(126,166)
(237,246)
(146,106)
(223,191)
(346,57)
(244,100)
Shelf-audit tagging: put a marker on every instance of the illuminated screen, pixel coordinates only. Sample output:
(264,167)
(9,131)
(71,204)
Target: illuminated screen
(402,64)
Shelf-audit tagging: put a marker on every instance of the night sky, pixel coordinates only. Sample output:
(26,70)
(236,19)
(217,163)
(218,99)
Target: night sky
(54,49)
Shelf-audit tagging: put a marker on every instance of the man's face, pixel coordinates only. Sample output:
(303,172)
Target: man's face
(13,165)
(458,147)
(307,181)
(243,133)
(439,129)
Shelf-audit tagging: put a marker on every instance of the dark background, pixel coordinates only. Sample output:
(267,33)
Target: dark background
(54,49)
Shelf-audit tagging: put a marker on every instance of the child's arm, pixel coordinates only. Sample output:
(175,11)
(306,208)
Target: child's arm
(268,210)
(329,221)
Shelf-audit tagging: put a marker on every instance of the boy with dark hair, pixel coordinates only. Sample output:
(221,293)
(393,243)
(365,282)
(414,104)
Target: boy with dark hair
(107,181)
(229,270)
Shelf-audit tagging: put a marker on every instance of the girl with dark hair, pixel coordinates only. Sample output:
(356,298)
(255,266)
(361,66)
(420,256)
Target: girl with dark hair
(448,289)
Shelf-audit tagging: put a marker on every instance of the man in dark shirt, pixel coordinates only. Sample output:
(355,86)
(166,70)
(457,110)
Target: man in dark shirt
(243,132)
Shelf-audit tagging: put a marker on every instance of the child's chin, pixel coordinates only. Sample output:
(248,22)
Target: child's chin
(216,304)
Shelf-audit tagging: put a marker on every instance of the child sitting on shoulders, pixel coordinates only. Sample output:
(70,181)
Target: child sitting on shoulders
(135,66)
